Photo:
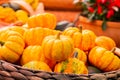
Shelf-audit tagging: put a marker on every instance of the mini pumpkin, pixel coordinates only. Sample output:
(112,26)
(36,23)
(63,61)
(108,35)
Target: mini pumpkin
(81,55)
(12,45)
(35,36)
(31,53)
(37,65)
(71,65)
(57,47)
(83,39)
(104,59)
(105,42)
(45,20)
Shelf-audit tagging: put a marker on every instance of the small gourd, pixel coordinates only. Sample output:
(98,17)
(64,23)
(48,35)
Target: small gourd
(57,47)
(104,59)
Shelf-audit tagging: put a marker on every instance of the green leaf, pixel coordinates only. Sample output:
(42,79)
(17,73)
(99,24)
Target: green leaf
(104,25)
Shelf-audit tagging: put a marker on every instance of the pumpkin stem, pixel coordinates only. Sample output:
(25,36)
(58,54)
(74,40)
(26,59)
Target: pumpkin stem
(75,54)
(116,51)
(58,35)
(1,43)
(80,28)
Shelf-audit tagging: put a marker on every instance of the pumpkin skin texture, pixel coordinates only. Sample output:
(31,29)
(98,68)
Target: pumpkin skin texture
(57,47)
(12,47)
(83,39)
(81,55)
(34,36)
(105,42)
(104,59)
(19,29)
(34,53)
(71,65)
(37,65)
(45,20)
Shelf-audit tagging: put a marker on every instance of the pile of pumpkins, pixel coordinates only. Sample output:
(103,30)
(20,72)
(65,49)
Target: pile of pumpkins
(37,45)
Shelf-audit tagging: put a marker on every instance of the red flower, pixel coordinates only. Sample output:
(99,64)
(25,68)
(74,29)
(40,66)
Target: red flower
(110,13)
(91,9)
(117,3)
(99,9)
(103,1)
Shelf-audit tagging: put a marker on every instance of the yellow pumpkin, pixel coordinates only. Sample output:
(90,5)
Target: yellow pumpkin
(12,45)
(31,53)
(22,16)
(71,65)
(45,20)
(104,59)
(83,39)
(105,42)
(35,36)
(57,47)
(37,65)
(81,55)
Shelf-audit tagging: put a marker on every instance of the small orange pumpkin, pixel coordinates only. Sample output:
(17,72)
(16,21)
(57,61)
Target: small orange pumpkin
(81,55)
(37,65)
(32,53)
(105,42)
(45,20)
(83,39)
(12,45)
(57,47)
(35,36)
(104,59)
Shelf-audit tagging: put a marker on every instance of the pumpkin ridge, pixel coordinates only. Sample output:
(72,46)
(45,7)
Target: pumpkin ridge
(112,56)
(8,58)
(109,64)
(20,43)
(51,48)
(100,58)
(111,67)
(13,50)
(71,43)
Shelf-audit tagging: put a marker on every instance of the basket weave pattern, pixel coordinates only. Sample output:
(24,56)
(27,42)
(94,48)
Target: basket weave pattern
(10,71)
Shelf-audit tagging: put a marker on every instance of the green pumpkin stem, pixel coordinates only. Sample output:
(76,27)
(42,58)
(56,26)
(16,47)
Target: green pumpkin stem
(80,28)
(1,43)
(75,54)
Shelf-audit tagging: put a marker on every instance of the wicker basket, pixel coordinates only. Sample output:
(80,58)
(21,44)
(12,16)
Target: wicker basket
(10,71)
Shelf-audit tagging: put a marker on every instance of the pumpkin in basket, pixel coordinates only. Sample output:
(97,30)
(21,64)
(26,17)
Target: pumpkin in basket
(45,20)
(83,39)
(37,65)
(104,59)
(31,53)
(81,55)
(12,45)
(34,36)
(19,29)
(71,65)
(105,42)
(57,47)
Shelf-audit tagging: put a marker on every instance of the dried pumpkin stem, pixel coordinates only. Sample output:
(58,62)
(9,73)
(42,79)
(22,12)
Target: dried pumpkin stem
(80,28)
(116,51)
(1,43)
(75,54)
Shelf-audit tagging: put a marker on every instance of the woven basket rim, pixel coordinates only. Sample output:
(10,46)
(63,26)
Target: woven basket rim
(10,71)
(18,66)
